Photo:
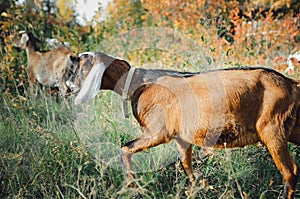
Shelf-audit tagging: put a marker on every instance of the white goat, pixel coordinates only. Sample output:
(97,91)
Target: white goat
(293,63)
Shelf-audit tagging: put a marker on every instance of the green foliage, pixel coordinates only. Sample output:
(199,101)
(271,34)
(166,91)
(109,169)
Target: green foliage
(46,154)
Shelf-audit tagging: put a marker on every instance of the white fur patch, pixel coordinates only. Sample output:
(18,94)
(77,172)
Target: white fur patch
(290,63)
(24,39)
(87,53)
(91,84)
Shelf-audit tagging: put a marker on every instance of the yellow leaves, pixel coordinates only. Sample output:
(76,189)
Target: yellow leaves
(65,8)
(4,67)
(17,106)
(144,17)
(22,98)
(34,114)
(271,183)
(5,14)
(278,4)
(9,49)
(6,25)
(98,16)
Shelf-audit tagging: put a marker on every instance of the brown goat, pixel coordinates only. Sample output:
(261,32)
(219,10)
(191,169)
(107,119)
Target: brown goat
(228,107)
(50,68)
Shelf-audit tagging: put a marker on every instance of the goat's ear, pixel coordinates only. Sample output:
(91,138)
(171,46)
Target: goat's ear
(24,39)
(91,84)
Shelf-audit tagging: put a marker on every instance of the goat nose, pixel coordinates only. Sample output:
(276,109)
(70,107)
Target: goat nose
(74,89)
(70,84)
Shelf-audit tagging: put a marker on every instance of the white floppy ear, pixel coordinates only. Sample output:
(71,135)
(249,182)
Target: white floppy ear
(91,84)
(24,39)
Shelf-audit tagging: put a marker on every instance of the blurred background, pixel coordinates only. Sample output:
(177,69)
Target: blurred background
(260,32)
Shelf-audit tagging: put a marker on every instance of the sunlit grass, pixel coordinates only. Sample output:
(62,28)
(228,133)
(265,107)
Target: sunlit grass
(54,150)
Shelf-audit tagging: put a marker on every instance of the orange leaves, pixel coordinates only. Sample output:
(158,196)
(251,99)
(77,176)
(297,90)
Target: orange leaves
(231,32)
(251,35)
(182,14)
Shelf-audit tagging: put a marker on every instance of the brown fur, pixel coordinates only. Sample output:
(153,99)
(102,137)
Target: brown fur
(50,68)
(236,107)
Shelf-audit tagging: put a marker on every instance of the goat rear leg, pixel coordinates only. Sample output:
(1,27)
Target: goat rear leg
(141,143)
(185,150)
(278,148)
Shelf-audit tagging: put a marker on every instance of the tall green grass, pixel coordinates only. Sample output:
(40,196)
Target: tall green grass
(56,150)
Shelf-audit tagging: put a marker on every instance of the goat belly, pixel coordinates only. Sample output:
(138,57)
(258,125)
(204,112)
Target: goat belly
(229,135)
(43,75)
(229,129)
(46,80)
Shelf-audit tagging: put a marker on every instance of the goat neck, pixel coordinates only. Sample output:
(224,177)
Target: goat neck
(115,76)
(30,50)
(98,71)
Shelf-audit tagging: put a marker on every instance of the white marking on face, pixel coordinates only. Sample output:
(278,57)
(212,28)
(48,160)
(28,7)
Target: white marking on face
(87,53)
(24,39)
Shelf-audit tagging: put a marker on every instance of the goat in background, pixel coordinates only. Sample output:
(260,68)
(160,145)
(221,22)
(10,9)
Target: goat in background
(222,108)
(293,63)
(290,66)
(51,68)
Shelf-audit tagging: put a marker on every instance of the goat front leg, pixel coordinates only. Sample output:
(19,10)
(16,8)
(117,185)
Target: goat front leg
(63,88)
(33,89)
(126,162)
(141,143)
(33,83)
